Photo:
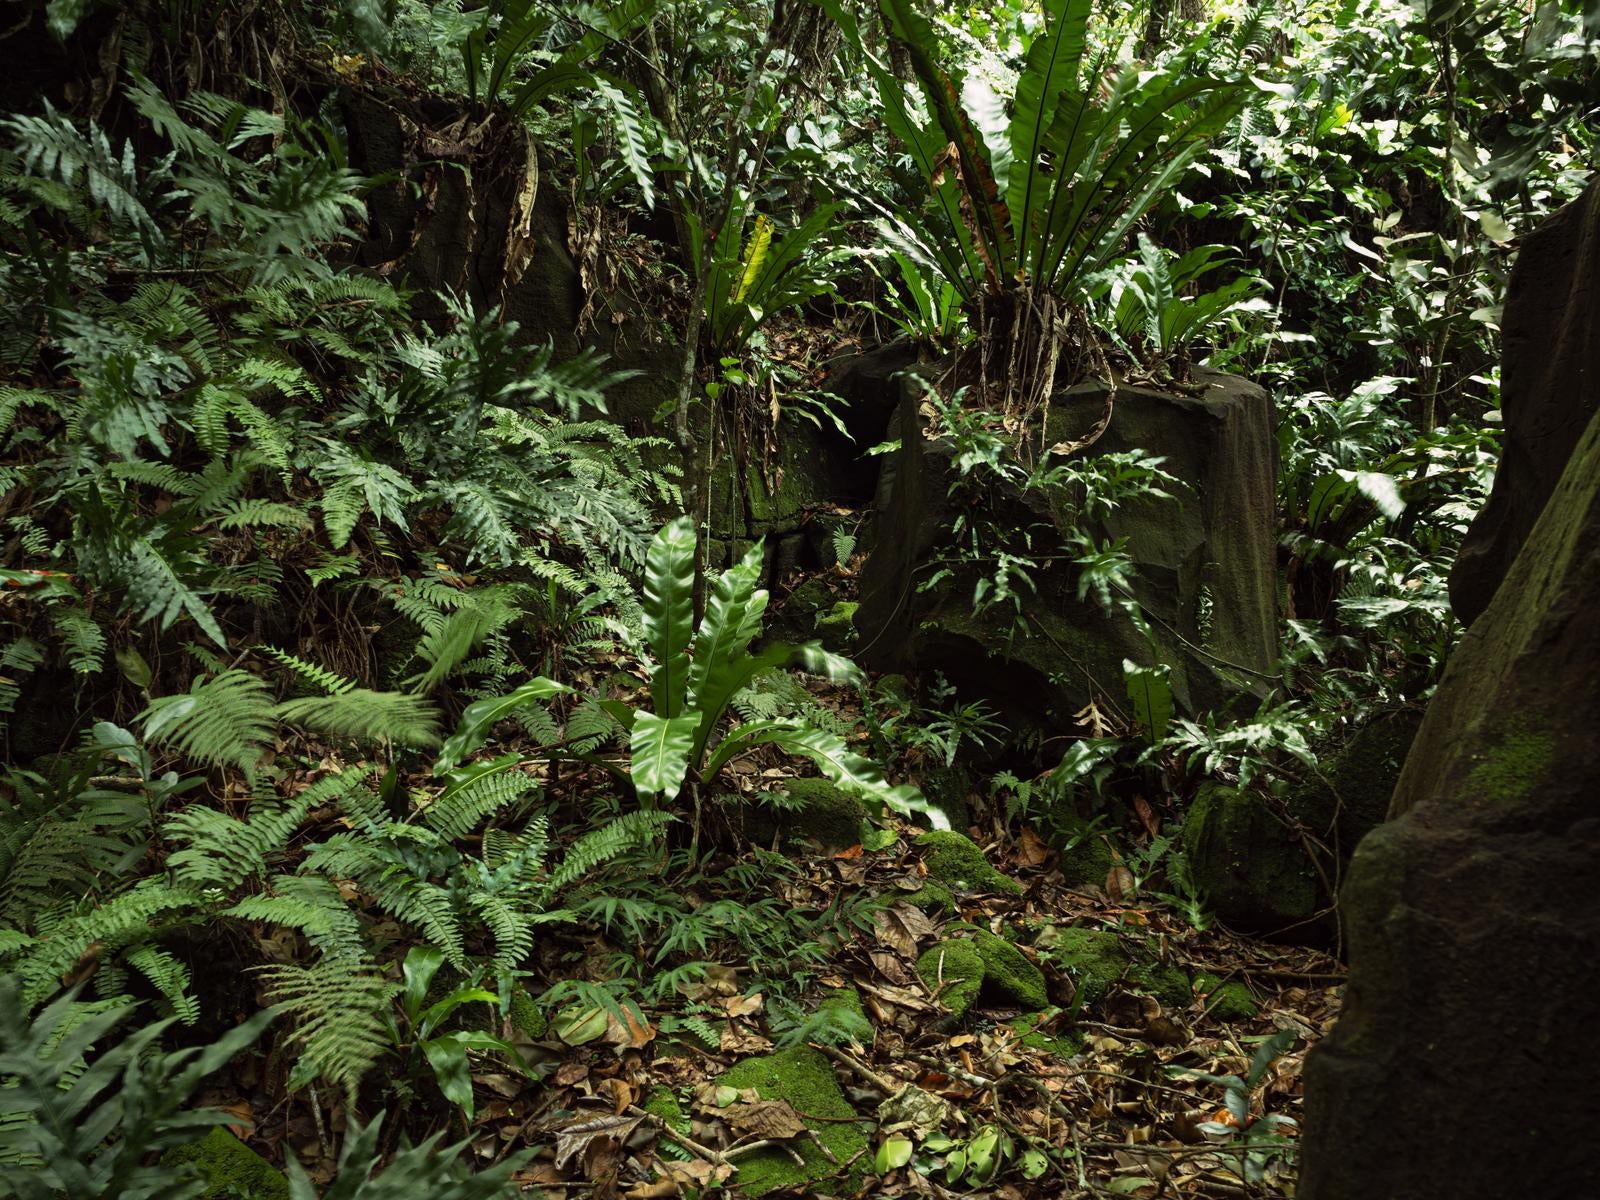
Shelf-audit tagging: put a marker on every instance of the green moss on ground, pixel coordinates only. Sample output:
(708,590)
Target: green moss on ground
(1229,1001)
(1086,859)
(1008,970)
(663,1103)
(525,1016)
(844,1000)
(1092,958)
(955,860)
(1062,1046)
(230,1169)
(803,1077)
(953,971)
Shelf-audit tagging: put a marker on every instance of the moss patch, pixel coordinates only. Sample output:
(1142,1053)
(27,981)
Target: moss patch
(1086,859)
(525,1016)
(934,897)
(1092,958)
(1229,1001)
(1513,769)
(230,1169)
(1063,1046)
(803,1077)
(836,627)
(1007,969)
(1253,872)
(954,971)
(661,1102)
(955,860)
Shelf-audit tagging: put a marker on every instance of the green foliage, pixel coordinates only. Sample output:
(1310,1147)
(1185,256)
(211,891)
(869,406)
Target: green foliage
(427,1169)
(698,671)
(81,1114)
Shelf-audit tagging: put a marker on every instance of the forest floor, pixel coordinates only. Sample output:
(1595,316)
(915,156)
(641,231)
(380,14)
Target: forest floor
(1106,1090)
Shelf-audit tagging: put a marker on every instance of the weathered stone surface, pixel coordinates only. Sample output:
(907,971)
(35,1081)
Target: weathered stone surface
(1265,866)
(1206,562)
(1549,389)
(1473,916)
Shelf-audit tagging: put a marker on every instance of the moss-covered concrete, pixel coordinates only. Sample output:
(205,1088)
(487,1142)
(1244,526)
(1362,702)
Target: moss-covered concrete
(230,1169)
(1006,969)
(955,860)
(953,970)
(803,1077)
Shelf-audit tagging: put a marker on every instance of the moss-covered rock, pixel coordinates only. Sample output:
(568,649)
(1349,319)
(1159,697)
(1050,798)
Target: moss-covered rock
(1252,871)
(1085,857)
(836,627)
(955,860)
(1006,969)
(816,811)
(1229,1001)
(948,787)
(954,971)
(803,1077)
(1092,958)
(525,1016)
(933,896)
(230,1169)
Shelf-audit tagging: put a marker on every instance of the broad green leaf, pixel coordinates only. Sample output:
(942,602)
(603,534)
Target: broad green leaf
(481,716)
(893,1154)
(448,1058)
(659,748)
(421,964)
(669,613)
(854,773)
(1150,693)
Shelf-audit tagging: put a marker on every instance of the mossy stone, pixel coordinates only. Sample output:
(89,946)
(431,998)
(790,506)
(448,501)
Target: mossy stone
(230,1169)
(1167,982)
(844,1000)
(1229,1001)
(1252,871)
(525,1016)
(955,860)
(825,813)
(954,971)
(803,1077)
(933,896)
(1086,859)
(836,627)
(1008,970)
(948,788)
(1093,958)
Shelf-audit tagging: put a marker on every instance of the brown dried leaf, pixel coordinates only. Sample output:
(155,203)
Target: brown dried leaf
(576,1137)
(771,1119)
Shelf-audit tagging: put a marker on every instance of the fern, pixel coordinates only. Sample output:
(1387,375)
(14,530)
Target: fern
(219,851)
(461,808)
(312,906)
(340,1011)
(223,720)
(330,682)
(366,716)
(627,832)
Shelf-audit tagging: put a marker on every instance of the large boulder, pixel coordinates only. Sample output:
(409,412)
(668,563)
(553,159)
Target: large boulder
(1549,389)
(1206,560)
(1473,915)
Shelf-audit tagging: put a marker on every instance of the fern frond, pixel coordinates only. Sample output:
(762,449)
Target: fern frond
(169,977)
(319,677)
(460,809)
(367,716)
(313,906)
(340,1010)
(223,720)
(627,832)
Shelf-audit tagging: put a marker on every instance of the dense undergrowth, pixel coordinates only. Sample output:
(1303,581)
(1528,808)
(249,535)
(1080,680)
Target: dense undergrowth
(378,729)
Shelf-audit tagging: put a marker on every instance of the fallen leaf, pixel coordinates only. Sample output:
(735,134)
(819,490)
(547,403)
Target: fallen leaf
(576,1137)
(772,1119)
(1034,849)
